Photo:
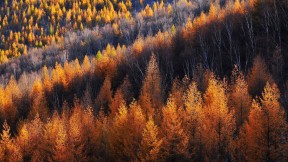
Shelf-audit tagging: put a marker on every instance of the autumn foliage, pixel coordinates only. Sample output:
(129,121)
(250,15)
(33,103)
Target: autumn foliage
(143,102)
(194,126)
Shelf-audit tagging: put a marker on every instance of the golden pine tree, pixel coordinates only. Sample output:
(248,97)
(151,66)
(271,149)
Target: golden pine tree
(150,98)
(193,118)
(86,65)
(47,85)
(267,128)
(104,97)
(77,139)
(258,76)
(117,100)
(126,131)
(150,143)
(9,150)
(61,151)
(175,139)
(39,104)
(23,140)
(219,123)
(240,99)
(117,137)
(178,90)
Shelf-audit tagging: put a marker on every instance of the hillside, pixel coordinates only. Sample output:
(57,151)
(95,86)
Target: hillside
(109,80)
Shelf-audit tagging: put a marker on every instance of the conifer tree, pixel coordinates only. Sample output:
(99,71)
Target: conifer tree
(240,99)
(117,100)
(116,134)
(150,98)
(150,143)
(9,150)
(104,97)
(266,129)
(258,76)
(61,151)
(125,136)
(39,104)
(77,139)
(178,90)
(219,122)
(193,118)
(175,139)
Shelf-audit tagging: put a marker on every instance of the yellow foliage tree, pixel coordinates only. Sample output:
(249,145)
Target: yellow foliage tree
(175,139)
(192,118)
(150,143)
(219,123)
(266,129)
(117,100)
(150,98)
(9,150)
(39,105)
(77,139)
(239,100)
(61,151)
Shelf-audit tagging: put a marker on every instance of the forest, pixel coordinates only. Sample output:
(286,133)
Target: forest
(144,80)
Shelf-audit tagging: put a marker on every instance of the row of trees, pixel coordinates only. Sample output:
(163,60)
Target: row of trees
(26,24)
(61,82)
(212,37)
(223,122)
(36,24)
(109,107)
(90,40)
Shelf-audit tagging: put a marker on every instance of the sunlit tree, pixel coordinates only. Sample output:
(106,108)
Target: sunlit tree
(175,139)
(150,143)
(193,118)
(266,129)
(219,123)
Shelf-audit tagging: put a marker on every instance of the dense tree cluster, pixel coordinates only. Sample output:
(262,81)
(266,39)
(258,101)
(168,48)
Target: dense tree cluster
(30,23)
(211,89)
(71,43)
(223,122)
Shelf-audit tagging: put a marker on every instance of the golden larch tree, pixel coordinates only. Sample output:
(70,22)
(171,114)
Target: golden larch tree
(36,132)
(175,139)
(39,103)
(258,76)
(117,136)
(104,97)
(23,141)
(86,66)
(178,90)
(47,85)
(77,139)
(219,123)
(117,100)
(126,132)
(100,138)
(9,150)
(239,99)
(266,129)
(151,98)
(61,151)
(193,117)
(150,143)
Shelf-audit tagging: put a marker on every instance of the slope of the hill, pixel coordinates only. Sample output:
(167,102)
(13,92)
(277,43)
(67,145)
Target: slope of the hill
(37,23)
(142,22)
(212,89)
